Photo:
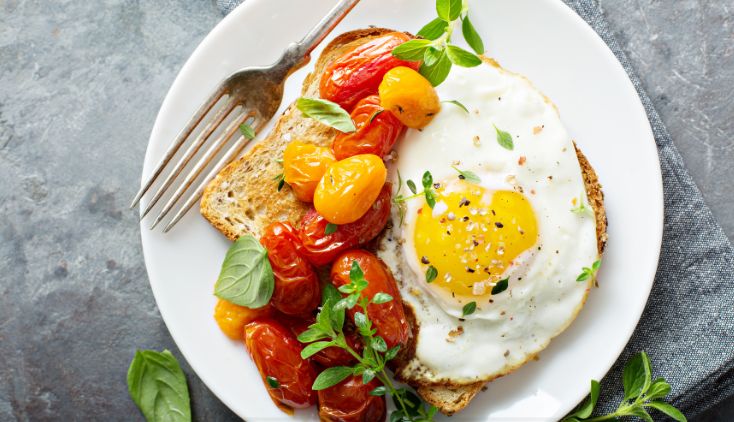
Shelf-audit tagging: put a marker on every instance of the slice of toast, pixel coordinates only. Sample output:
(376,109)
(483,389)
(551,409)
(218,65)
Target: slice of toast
(243,197)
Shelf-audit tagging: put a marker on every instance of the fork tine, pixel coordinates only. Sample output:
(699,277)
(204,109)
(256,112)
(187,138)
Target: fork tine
(213,124)
(175,145)
(231,154)
(203,162)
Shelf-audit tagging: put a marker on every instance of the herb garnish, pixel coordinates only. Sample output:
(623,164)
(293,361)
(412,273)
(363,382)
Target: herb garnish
(326,112)
(467,175)
(272,382)
(428,192)
(327,331)
(157,385)
(431,274)
(641,393)
(435,50)
(458,104)
(581,209)
(280,178)
(587,273)
(504,139)
(330,228)
(246,278)
(468,309)
(501,286)
(247,131)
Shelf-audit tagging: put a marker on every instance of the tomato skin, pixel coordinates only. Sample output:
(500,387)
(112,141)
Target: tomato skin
(297,288)
(232,318)
(321,248)
(350,401)
(359,72)
(377,131)
(388,318)
(410,96)
(277,353)
(331,356)
(303,166)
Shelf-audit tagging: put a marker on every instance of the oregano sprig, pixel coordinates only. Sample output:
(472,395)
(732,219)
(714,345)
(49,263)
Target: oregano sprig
(428,192)
(435,50)
(589,272)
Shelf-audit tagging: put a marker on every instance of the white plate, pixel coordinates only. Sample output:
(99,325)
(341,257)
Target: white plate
(542,39)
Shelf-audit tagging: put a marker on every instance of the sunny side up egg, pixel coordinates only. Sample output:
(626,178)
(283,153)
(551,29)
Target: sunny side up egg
(513,226)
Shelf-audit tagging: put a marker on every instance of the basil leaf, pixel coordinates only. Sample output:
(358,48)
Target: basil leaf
(431,274)
(312,334)
(458,104)
(246,278)
(392,352)
(471,35)
(633,377)
(461,57)
(448,10)
(381,298)
(158,387)
(668,410)
(378,391)
(658,389)
(272,382)
(329,292)
(431,55)
(378,343)
(326,112)
(467,175)
(330,228)
(437,72)
(585,409)
(504,139)
(411,50)
(433,29)
(247,131)
(331,377)
(314,348)
(427,180)
(469,309)
(501,286)
(411,186)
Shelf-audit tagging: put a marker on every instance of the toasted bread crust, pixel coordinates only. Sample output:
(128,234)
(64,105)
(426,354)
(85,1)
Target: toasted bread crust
(242,199)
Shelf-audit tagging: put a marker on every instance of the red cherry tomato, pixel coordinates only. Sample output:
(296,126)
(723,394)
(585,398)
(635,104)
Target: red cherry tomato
(331,356)
(388,318)
(359,72)
(377,131)
(277,354)
(297,289)
(321,248)
(350,401)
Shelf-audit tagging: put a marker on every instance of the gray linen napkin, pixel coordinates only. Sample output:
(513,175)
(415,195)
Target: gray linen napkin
(687,327)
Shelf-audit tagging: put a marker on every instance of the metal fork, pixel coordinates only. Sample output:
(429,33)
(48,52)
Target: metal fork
(252,95)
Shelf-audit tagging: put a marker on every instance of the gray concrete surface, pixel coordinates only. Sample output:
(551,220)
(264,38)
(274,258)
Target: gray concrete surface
(80,84)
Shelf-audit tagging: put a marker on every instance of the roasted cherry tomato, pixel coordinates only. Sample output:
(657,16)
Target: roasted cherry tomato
(303,166)
(321,248)
(349,188)
(331,356)
(277,354)
(410,97)
(388,318)
(359,72)
(350,401)
(377,131)
(297,288)
(232,318)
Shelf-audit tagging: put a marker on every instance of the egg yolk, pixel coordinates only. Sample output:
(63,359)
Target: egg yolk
(472,235)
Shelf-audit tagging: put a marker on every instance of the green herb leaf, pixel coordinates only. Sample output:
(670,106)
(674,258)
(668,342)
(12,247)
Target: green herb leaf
(377,113)
(431,55)
(326,112)
(504,139)
(412,50)
(378,391)
(247,131)
(398,416)
(448,10)
(324,320)
(392,352)
(471,35)
(272,382)
(633,377)
(381,298)
(458,104)
(438,71)
(363,325)
(467,175)
(427,180)
(314,348)
(501,286)
(668,410)
(658,389)
(367,376)
(433,29)
(281,183)
(246,278)
(330,228)
(595,266)
(585,409)
(461,57)
(585,275)
(431,274)
(312,334)
(468,309)
(430,198)
(331,377)
(329,292)
(378,344)
(158,387)
(411,186)
(640,413)
(355,272)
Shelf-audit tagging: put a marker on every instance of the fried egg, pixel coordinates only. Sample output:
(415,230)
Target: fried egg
(502,233)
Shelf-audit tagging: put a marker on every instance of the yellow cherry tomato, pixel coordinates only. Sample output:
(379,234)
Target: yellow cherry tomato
(232,318)
(349,187)
(409,96)
(303,166)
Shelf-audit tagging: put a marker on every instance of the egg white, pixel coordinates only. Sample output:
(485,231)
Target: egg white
(519,322)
